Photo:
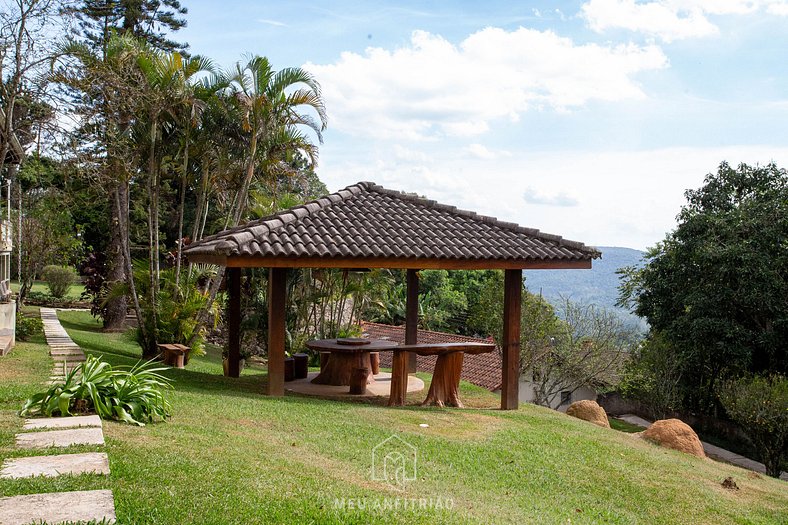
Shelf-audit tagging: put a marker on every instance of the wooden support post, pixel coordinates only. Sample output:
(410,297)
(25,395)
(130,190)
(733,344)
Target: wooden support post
(512,292)
(276,330)
(234,322)
(412,316)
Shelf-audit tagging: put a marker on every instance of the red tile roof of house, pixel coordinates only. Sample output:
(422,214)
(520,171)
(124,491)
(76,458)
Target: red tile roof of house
(483,370)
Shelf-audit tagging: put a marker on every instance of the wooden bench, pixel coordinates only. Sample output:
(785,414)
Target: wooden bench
(446,376)
(175,355)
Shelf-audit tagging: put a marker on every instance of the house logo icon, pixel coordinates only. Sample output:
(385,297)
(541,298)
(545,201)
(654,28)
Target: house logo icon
(394,461)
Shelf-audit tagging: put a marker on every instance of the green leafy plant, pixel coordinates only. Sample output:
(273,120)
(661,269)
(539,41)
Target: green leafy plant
(760,406)
(134,395)
(27,326)
(59,279)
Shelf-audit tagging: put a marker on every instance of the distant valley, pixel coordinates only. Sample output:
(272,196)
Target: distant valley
(597,286)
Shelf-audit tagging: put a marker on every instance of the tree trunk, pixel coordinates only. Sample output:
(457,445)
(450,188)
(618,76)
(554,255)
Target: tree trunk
(445,381)
(181,205)
(124,229)
(116,308)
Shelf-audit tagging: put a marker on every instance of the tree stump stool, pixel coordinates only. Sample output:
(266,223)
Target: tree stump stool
(301,365)
(358,381)
(446,376)
(174,355)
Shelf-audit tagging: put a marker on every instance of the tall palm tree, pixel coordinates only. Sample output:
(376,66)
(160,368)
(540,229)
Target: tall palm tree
(271,108)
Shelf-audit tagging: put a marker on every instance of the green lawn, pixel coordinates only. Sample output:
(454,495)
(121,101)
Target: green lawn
(624,426)
(232,455)
(41,287)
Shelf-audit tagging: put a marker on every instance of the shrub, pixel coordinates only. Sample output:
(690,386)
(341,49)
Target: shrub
(134,395)
(59,279)
(27,326)
(760,406)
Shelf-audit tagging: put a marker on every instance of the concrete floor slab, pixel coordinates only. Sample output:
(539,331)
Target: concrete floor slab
(62,422)
(60,438)
(51,466)
(58,507)
(381,387)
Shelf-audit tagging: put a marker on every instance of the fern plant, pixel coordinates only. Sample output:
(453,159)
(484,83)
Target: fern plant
(135,396)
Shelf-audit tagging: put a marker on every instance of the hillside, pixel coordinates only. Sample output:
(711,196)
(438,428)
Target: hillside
(231,455)
(596,286)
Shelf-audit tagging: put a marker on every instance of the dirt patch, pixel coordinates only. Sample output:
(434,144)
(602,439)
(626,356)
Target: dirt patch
(729,484)
(675,434)
(590,411)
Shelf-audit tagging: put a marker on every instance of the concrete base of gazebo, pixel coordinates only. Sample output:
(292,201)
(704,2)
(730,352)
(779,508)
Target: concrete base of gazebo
(380,388)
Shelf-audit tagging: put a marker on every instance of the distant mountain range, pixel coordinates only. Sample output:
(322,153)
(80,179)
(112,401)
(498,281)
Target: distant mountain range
(596,286)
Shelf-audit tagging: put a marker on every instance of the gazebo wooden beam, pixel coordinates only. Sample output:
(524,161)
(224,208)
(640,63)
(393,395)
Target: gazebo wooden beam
(510,345)
(392,262)
(277,304)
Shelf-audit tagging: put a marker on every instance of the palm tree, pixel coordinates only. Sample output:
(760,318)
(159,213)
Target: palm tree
(269,106)
(269,103)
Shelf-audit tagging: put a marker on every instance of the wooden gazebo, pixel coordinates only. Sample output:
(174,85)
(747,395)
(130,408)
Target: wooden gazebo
(367,226)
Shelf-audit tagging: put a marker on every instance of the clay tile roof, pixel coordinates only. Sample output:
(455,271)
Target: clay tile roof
(483,370)
(367,220)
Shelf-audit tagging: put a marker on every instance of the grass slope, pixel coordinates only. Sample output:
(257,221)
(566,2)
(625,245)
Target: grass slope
(231,455)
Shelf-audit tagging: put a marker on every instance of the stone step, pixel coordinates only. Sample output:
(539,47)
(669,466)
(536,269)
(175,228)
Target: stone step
(62,422)
(52,466)
(57,352)
(60,438)
(58,507)
(69,358)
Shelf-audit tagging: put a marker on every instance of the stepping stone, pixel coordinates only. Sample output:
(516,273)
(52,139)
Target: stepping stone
(51,466)
(60,438)
(63,422)
(58,507)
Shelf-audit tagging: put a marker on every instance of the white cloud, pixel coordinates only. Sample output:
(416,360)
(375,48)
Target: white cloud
(670,19)
(270,22)
(433,88)
(561,199)
(480,152)
(621,198)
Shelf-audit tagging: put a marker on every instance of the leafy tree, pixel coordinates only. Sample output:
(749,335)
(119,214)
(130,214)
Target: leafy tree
(654,377)
(715,288)
(150,20)
(582,345)
(48,237)
(760,406)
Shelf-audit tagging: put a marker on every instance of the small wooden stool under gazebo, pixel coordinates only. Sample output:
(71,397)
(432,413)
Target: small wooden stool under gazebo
(367,226)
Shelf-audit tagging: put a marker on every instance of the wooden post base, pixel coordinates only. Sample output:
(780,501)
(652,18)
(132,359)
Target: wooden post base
(446,381)
(399,379)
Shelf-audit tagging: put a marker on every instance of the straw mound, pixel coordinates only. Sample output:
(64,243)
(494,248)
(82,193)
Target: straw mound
(675,434)
(588,410)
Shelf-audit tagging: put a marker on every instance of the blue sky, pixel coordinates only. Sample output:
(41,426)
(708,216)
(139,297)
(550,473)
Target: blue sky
(584,119)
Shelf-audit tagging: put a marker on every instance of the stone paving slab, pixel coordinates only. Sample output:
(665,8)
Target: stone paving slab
(62,422)
(60,438)
(58,507)
(51,466)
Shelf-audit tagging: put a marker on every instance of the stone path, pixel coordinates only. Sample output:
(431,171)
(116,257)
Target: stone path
(65,352)
(712,451)
(58,507)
